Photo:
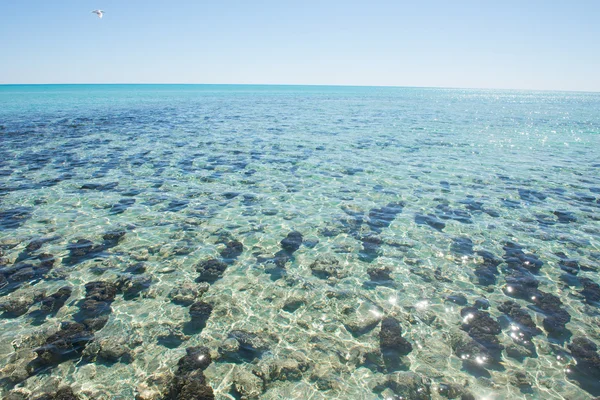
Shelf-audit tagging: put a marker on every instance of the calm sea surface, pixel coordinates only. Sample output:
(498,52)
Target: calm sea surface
(295,242)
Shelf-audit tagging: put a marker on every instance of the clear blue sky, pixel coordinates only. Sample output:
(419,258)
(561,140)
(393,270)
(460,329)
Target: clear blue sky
(526,44)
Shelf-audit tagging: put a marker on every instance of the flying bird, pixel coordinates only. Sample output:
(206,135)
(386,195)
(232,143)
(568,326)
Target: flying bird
(99,13)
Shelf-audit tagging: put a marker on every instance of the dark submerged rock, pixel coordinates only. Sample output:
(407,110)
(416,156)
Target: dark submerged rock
(51,304)
(556,316)
(211,270)
(392,344)
(100,186)
(81,250)
(462,246)
(122,206)
(565,217)
(522,327)
(292,242)
(200,312)
(189,382)
(380,218)
(521,284)
(406,385)
(531,195)
(569,265)
(325,267)
(14,217)
(232,249)
(196,358)
(244,347)
(68,343)
(515,258)
(133,285)
(591,291)
(430,220)
(371,245)
(112,238)
(482,328)
(487,271)
(96,306)
(587,369)
(458,298)
(380,274)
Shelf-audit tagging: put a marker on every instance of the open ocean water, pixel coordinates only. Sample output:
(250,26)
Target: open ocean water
(289,242)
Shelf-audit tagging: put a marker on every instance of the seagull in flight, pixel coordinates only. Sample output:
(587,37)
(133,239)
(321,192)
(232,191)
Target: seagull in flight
(99,13)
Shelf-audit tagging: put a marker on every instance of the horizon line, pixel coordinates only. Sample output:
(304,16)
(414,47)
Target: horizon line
(300,85)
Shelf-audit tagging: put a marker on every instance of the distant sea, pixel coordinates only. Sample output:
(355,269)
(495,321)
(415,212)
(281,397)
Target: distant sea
(306,242)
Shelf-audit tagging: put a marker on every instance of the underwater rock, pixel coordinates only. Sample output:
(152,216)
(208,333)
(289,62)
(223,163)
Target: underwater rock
(371,247)
(383,217)
(113,238)
(430,220)
(524,327)
(591,291)
(292,242)
(556,317)
(380,274)
(243,346)
(51,304)
(18,305)
(487,271)
(280,369)
(567,264)
(520,352)
(232,249)
(565,217)
(132,285)
(108,349)
(293,304)
(95,307)
(392,344)
(66,344)
(210,270)
(196,358)
(189,382)
(515,258)
(462,246)
(452,391)
(246,384)
(481,304)
(14,276)
(470,352)
(587,369)
(457,298)
(99,186)
(406,385)
(362,319)
(482,328)
(520,379)
(531,195)
(187,293)
(81,250)
(521,284)
(136,269)
(325,267)
(64,393)
(200,312)
(14,217)
(121,206)
(444,211)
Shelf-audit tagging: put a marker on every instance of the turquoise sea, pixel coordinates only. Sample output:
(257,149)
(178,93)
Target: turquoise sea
(298,242)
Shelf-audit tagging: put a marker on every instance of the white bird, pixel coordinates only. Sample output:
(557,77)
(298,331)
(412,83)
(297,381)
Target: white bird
(99,13)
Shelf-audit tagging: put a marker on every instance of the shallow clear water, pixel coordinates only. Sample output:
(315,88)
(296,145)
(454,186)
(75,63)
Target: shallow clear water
(414,204)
